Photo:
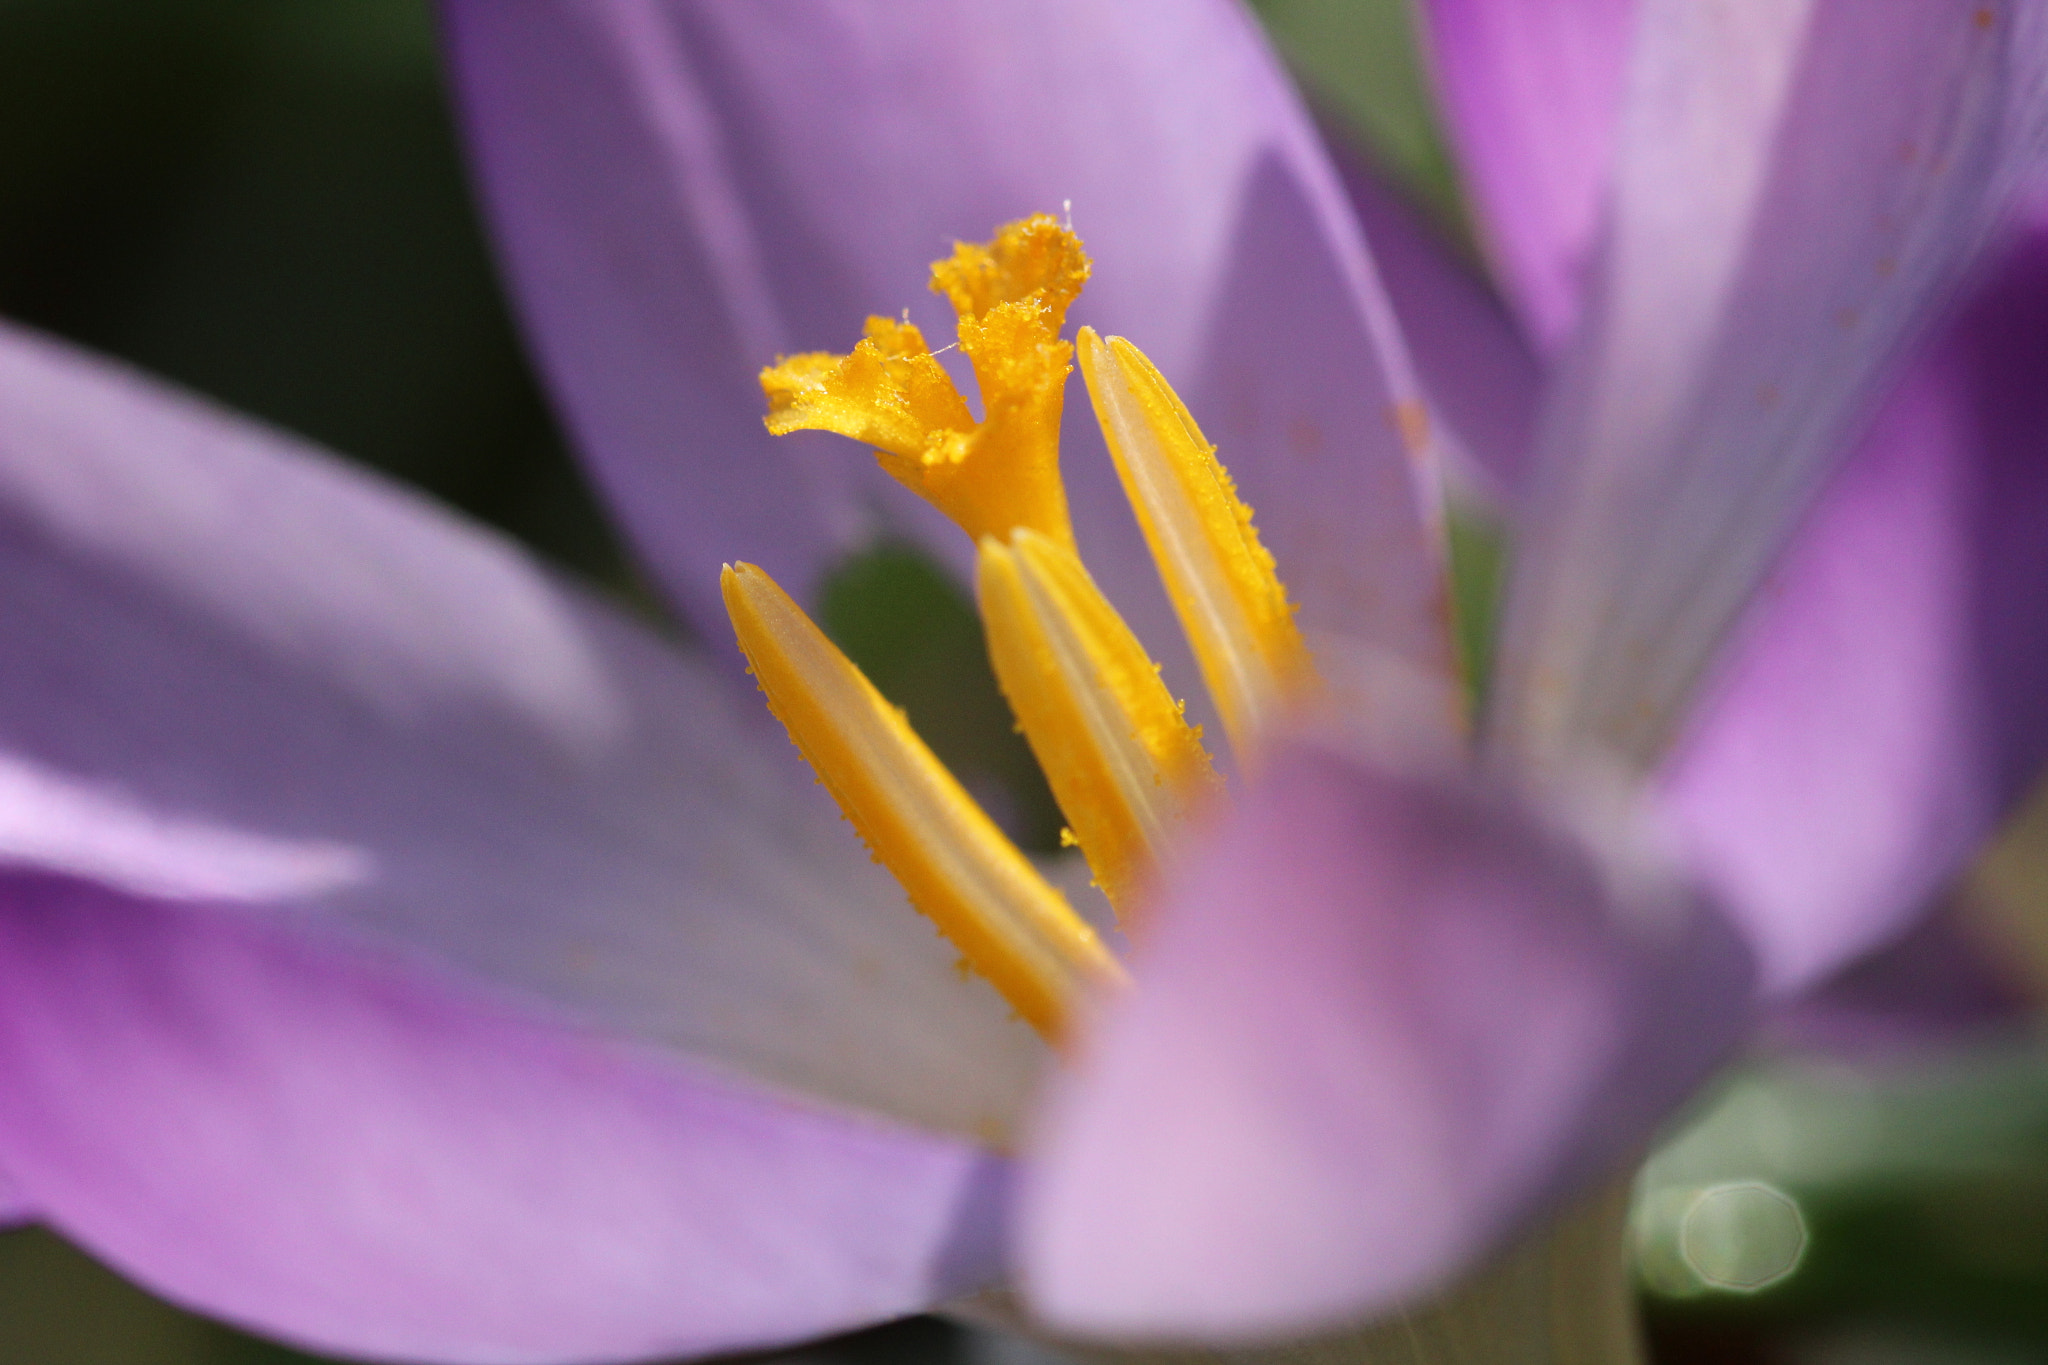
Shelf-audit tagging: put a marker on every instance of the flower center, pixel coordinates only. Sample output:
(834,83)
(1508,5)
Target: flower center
(1122,761)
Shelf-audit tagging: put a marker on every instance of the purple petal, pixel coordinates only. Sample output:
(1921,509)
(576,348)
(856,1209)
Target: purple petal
(14,1205)
(1941,986)
(1531,93)
(1795,189)
(237,672)
(1885,706)
(1378,1022)
(1482,380)
(294,710)
(352,1154)
(682,191)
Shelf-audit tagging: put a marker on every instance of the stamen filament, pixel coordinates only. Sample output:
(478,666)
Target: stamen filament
(1222,581)
(951,859)
(1116,749)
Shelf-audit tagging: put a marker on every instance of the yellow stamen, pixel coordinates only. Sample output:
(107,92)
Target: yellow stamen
(950,858)
(1222,581)
(989,476)
(1120,756)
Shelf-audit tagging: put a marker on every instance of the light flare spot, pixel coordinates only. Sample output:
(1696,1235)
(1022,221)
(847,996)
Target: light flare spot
(1743,1237)
(1733,1237)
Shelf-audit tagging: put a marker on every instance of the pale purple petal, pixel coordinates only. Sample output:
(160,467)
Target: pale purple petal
(682,191)
(1482,380)
(1885,703)
(292,707)
(347,1152)
(1795,187)
(1379,1022)
(1531,93)
(236,671)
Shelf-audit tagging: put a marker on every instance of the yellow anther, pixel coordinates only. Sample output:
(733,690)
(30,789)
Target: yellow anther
(956,866)
(990,476)
(1120,757)
(1222,581)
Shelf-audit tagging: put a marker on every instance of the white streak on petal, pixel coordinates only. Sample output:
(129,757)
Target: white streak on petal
(59,824)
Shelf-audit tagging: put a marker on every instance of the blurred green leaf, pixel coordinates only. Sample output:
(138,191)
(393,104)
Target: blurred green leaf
(1923,1183)
(1361,62)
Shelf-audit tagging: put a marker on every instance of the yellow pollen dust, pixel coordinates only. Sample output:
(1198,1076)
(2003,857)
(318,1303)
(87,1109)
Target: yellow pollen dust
(949,857)
(1224,585)
(990,476)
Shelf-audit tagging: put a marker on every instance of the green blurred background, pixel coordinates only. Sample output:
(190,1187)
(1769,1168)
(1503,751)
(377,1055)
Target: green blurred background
(262,199)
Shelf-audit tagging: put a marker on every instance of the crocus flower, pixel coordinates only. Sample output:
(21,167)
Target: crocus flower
(405,953)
